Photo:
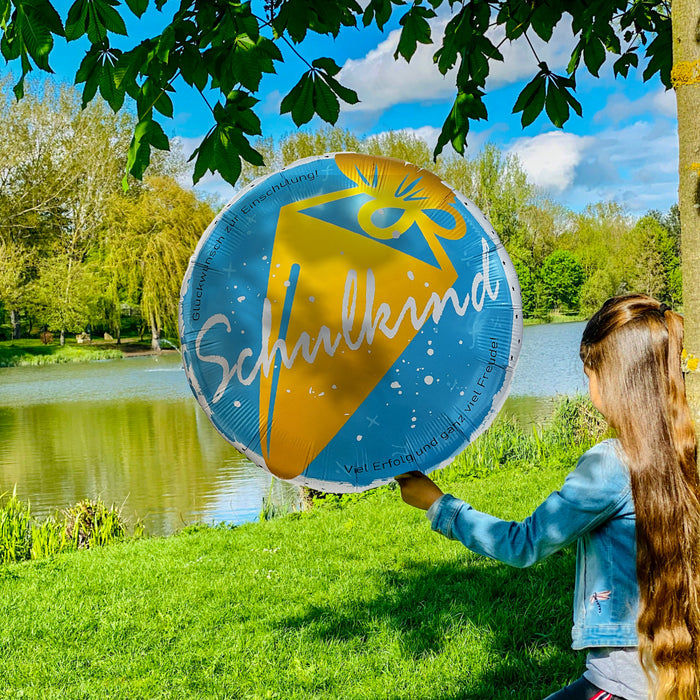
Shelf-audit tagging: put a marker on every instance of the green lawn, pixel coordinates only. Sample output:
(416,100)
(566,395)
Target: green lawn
(357,601)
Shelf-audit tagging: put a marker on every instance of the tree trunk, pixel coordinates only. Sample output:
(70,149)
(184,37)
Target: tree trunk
(16,324)
(63,337)
(686,81)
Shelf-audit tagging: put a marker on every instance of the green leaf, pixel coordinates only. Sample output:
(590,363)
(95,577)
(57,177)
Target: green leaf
(165,44)
(128,67)
(148,133)
(344,93)
(380,11)
(325,102)
(415,30)
(291,97)
(468,106)
(18,89)
(76,22)
(556,105)
(245,149)
(531,99)
(575,57)
(96,29)
(192,67)
(623,64)
(544,19)
(164,104)
(44,12)
(594,55)
(36,37)
(573,102)
(328,65)
(299,101)
(87,73)
(157,137)
(303,109)
(660,55)
(109,17)
(108,88)
(204,154)
(226,157)
(238,113)
(138,7)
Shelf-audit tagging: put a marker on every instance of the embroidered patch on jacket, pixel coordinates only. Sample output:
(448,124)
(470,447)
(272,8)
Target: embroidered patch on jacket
(597,597)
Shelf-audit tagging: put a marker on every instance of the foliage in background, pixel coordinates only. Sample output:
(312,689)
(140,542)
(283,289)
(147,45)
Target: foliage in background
(80,262)
(148,240)
(74,247)
(566,262)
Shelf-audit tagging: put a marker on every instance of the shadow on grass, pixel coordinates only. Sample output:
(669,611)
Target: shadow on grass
(516,622)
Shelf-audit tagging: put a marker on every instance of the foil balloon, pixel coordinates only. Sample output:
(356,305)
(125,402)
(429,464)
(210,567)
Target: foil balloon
(348,319)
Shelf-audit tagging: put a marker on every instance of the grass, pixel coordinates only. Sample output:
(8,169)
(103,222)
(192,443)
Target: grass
(355,598)
(554,317)
(32,352)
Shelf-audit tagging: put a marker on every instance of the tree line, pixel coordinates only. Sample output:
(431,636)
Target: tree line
(567,262)
(76,249)
(78,252)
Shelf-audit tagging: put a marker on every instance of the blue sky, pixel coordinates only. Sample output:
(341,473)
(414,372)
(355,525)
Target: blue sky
(623,149)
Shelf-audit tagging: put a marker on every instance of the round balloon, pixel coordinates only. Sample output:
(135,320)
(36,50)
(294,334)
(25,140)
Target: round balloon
(348,319)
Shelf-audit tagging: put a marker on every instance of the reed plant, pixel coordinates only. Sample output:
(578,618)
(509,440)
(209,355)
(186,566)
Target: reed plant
(85,525)
(92,524)
(48,539)
(574,426)
(15,529)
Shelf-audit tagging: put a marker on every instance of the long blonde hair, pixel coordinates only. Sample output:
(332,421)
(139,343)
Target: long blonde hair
(633,345)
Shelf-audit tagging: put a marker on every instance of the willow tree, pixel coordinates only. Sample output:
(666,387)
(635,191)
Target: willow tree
(60,164)
(148,240)
(227,46)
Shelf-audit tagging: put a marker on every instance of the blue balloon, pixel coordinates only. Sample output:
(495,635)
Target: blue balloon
(348,319)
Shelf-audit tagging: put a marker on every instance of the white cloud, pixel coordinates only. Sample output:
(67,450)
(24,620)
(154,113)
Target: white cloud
(619,108)
(550,160)
(635,165)
(382,81)
(664,102)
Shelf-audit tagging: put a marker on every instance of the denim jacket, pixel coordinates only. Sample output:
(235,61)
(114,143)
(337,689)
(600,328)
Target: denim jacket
(594,506)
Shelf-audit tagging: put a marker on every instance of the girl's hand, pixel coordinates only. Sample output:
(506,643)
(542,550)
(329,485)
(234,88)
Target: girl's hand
(418,490)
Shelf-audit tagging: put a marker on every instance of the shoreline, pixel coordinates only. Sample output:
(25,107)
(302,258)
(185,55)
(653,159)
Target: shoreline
(32,353)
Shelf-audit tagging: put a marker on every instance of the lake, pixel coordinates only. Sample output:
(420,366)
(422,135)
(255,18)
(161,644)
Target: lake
(130,432)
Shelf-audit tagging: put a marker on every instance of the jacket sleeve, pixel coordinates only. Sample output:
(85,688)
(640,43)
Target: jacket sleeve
(590,495)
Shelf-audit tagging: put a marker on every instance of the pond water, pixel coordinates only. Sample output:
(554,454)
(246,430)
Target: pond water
(130,432)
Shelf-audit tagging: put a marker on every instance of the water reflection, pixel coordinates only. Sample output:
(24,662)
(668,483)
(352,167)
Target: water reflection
(130,432)
(162,459)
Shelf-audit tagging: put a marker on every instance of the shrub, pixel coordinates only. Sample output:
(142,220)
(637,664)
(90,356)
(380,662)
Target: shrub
(91,523)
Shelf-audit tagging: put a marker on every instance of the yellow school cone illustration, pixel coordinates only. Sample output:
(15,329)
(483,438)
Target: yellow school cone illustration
(343,305)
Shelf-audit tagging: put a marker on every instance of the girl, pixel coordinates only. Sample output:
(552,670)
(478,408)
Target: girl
(636,599)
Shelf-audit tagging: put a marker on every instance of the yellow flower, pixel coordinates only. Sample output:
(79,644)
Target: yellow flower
(692,364)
